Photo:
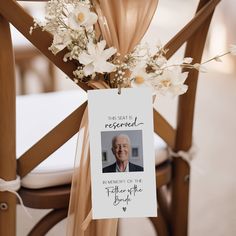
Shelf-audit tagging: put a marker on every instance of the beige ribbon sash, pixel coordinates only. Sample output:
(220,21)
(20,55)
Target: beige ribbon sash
(122,24)
(80,210)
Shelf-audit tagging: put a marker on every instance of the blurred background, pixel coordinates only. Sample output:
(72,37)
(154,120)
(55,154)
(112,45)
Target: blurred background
(212,208)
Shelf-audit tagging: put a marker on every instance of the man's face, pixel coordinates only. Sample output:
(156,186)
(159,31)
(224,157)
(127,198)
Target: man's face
(121,149)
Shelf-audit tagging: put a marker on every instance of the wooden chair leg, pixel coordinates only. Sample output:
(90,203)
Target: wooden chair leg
(48,221)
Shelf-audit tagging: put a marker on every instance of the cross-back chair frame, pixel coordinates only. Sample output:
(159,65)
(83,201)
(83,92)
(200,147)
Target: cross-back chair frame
(173,215)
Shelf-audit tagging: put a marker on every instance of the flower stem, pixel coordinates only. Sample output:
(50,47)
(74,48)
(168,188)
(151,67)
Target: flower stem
(212,59)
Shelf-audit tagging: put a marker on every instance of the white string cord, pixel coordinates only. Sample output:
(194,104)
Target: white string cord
(13,186)
(187,156)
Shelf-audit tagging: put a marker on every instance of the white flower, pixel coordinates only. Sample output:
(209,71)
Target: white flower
(232,49)
(81,16)
(60,40)
(188,60)
(178,87)
(139,76)
(171,81)
(96,58)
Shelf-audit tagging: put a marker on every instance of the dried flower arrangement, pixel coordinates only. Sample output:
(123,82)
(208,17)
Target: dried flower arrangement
(71,22)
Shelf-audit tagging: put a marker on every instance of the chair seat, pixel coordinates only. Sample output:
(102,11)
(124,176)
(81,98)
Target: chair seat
(36,115)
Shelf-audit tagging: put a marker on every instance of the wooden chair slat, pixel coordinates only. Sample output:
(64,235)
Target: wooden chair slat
(185,117)
(163,129)
(47,198)
(51,141)
(46,223)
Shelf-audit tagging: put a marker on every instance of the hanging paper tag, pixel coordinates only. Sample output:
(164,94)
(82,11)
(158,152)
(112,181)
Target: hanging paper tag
(122,153)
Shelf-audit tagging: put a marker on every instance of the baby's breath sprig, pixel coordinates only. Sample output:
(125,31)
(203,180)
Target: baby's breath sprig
(71,23)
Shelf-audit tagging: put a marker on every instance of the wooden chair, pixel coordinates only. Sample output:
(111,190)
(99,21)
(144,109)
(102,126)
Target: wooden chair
(172,174)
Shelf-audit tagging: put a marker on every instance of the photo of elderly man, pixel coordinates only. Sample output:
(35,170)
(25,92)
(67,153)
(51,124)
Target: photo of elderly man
(121,149)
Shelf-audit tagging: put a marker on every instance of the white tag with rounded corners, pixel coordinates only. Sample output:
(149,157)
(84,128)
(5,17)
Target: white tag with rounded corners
(122,153)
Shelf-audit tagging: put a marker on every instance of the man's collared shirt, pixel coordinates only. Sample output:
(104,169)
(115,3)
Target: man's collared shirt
(126,169)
